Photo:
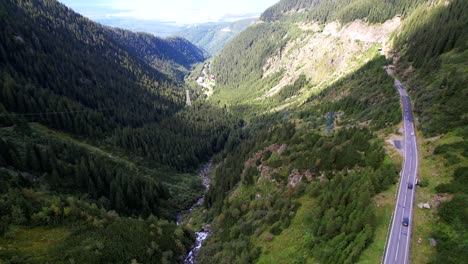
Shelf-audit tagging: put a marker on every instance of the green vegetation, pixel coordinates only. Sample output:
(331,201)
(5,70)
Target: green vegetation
(451,231)
(369,95)
(182,141)
(293,89)
(442,186)
(124,101)
(273,66)
(109,239)
(385,206)
(68,166)
(289,246)
(124,240)
(34,243)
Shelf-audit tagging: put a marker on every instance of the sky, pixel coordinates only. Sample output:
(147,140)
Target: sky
(180,12)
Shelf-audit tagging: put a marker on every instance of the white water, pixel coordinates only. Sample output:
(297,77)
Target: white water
(202,234)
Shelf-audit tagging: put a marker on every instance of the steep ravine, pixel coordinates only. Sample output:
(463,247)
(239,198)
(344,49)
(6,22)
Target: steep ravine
(203,233)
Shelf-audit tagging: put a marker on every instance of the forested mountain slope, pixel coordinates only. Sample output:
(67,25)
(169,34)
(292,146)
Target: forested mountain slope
(54,60)
(56,50)
(167,54)
(260,66)
(307,180)
(95,135)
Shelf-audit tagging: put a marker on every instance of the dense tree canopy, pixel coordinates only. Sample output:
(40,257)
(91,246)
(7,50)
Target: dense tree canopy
(374,11)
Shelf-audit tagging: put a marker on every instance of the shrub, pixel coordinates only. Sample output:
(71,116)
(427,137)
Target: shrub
(423,183)
(451,159)
(276,228)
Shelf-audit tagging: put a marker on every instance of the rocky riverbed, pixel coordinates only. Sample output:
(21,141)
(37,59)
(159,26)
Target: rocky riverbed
(205,230)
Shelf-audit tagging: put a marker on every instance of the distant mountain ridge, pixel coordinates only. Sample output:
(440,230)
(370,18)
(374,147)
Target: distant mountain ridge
(210,36)
(213,36)
(157,28)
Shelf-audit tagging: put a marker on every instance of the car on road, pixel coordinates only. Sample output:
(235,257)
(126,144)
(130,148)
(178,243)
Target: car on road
(412,133)
(405,221)
(410,185)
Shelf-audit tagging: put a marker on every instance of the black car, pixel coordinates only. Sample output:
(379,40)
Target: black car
(410,185)
(405,221)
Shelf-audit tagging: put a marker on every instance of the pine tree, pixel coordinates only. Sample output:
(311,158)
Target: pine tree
(53,179)
(32,161)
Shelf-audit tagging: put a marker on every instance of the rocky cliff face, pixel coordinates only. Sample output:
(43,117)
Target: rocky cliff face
(324,53)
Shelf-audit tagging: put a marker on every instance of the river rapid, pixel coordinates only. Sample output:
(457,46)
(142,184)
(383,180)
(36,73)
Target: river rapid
(204,232)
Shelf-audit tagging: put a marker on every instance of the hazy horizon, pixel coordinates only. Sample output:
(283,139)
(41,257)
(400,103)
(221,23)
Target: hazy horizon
(175,13)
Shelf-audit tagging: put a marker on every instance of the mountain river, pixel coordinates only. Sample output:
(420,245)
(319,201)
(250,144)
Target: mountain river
(204,232)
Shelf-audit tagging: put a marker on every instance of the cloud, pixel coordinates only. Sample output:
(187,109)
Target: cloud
(181,11)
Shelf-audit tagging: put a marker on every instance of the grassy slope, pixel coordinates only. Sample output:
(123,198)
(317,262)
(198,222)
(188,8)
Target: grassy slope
(435,171)
(33,242)
(383,212)
(288,247)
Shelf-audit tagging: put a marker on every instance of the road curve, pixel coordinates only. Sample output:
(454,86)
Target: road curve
(397,249)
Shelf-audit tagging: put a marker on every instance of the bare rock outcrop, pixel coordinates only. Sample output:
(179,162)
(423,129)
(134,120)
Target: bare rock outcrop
(258,158)
(296,177)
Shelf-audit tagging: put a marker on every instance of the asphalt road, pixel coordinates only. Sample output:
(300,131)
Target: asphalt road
(399,241)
